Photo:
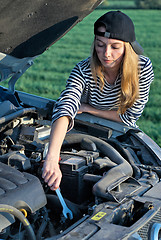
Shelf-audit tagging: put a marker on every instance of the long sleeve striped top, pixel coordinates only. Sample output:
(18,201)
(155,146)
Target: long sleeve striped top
(81,87)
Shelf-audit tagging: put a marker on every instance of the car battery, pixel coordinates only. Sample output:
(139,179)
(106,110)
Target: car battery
(73,168)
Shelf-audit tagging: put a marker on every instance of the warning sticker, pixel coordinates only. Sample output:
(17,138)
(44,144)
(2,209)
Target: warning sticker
(98,216)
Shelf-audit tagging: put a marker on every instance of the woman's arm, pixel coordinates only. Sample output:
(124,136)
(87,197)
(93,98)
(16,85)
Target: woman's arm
(107,114)
(51,171)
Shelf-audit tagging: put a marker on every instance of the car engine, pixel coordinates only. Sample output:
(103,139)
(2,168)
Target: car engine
(102,176)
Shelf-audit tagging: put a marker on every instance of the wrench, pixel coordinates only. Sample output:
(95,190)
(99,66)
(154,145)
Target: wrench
(66,210)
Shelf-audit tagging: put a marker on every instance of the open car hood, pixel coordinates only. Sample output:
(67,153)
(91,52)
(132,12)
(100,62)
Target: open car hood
(28,28)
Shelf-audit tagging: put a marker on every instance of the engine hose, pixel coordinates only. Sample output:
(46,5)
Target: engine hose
(154,231)
(115,175)
(15,212)
(126,153)
(16,114)
(137,172)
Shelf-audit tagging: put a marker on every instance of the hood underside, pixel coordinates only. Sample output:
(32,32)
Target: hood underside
(29,27)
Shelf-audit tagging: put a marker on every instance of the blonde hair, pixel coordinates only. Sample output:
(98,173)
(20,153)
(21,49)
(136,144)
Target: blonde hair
(129,80)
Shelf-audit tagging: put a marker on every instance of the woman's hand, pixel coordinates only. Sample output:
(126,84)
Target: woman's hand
(51,173)
(107,114)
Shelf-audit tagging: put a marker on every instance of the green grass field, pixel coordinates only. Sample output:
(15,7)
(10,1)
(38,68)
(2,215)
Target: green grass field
(48,75)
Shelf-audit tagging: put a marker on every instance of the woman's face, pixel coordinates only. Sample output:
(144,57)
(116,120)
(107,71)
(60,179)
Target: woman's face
(109,51)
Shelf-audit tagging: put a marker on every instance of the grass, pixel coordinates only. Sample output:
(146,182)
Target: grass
(117,4)
(47,77)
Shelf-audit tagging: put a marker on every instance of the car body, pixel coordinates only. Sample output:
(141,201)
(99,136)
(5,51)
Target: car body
(111,172)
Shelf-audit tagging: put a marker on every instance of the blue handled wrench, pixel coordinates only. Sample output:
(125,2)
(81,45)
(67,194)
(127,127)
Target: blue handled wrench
(66,211)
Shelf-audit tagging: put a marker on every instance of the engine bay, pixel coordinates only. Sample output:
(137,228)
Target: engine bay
(99,172)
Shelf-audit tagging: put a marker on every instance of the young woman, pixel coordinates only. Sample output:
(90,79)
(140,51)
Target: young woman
(113,83)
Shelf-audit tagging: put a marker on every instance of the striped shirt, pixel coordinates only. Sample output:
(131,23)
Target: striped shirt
(81,87)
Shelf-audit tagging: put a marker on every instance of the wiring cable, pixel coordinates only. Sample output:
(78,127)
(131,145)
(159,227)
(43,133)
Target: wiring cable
(18,214)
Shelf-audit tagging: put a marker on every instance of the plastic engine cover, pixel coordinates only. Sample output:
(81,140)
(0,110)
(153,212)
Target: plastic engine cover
(20,190)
